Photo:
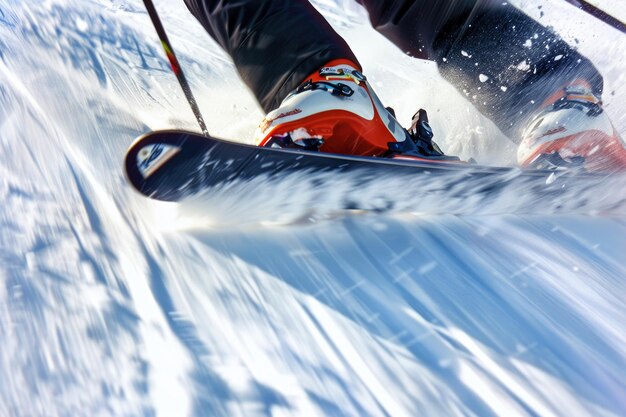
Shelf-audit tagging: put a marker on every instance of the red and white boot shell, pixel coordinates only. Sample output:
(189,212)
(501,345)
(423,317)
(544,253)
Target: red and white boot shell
(574,129)
(338,106)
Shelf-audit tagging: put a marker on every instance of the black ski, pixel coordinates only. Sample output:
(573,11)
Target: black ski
(175,165)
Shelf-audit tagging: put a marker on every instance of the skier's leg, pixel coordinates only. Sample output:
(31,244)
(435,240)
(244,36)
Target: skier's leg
(499,58)
(305,76)
(534,86)
(413,25)
(275,44)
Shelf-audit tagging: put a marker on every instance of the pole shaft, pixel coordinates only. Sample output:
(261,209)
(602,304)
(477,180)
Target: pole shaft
(599,14)
(176,68)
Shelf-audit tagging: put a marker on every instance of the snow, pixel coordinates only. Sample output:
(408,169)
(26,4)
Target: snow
(523,66)
(113,305)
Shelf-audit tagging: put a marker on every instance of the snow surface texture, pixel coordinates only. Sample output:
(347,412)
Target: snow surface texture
(109,306)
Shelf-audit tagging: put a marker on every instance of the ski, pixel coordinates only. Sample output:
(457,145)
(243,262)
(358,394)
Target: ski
(176,165)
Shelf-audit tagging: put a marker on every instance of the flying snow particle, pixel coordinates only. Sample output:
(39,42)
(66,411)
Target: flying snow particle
(483,78)
(503,88)
(81,25)
(528,43)
(523,66)
(558,57)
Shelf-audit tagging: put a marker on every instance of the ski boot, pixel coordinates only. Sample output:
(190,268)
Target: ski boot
(572,130)
(336,110)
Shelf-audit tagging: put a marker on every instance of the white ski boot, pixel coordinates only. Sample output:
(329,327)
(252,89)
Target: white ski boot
(572,130)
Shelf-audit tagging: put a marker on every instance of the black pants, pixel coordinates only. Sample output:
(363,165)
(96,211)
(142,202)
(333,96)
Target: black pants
(503,61)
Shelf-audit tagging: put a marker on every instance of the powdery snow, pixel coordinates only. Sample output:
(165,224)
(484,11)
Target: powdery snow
(114,305)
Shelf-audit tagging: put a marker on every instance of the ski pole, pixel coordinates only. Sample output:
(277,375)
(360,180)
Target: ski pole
(599,14)
(176,68)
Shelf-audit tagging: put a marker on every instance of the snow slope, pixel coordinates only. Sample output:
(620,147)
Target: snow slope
(109,306)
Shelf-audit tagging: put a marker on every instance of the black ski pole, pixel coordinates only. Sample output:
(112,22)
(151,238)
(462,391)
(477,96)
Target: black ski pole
(178,71)
(599,14)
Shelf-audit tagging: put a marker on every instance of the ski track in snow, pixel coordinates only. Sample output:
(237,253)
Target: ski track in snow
(112,305)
